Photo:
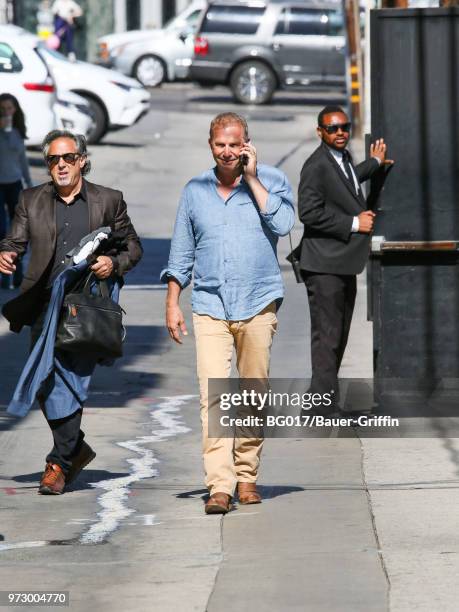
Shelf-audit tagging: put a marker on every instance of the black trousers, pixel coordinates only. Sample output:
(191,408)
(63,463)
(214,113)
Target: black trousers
(67,434)
(331,304)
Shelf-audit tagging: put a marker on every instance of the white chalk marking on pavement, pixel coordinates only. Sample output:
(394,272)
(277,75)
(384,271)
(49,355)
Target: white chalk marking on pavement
(13,545)
(114,500)
(149,519)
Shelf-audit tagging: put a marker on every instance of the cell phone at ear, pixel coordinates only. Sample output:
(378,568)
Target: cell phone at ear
(244,159)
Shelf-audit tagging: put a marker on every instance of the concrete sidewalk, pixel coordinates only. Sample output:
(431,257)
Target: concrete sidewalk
(347,524)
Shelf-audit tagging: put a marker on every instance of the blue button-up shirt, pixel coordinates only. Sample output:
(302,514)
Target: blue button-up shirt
(231,245)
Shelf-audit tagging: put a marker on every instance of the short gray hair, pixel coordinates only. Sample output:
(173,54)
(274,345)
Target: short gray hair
(224,119)
(78,139)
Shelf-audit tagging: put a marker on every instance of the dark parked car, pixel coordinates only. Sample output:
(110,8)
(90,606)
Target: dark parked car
(256,47)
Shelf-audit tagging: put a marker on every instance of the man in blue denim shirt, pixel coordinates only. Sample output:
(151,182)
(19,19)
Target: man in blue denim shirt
(227,227)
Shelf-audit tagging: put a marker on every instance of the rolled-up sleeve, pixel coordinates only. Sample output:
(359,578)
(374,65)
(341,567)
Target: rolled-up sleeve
(183,245)
(280,211)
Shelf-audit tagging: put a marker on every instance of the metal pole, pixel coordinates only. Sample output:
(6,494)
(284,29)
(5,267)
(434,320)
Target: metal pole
(354,65)
(370,4)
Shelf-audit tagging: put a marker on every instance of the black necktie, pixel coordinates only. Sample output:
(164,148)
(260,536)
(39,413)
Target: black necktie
(348,168)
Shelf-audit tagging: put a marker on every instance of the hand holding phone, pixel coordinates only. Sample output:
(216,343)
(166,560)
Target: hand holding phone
(244,156)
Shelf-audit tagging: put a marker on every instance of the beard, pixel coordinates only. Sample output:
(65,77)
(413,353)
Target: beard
(63,181)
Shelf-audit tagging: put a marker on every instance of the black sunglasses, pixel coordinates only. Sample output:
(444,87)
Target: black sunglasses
(69,158)
(334,127)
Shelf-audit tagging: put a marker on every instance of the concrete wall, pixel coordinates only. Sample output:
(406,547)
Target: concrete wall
(3,11)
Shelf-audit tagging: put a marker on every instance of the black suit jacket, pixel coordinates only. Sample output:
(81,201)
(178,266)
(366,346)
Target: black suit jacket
(327,204)
(34,225)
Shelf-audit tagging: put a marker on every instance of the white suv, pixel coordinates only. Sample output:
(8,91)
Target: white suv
(25,75)
(154,56)
(116,101)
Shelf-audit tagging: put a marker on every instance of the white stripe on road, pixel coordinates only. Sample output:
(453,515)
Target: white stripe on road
(23,545)
(114,500)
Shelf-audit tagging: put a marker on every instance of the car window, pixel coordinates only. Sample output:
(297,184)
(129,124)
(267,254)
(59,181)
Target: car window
(192,19)
(282,24)
(320,22)
(178,22)
(44,50)
(232,19)
(335,23)
(9,61)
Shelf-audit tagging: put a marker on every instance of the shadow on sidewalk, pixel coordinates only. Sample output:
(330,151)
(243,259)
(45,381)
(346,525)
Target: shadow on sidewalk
(154,259)
(266,492)
(83,482)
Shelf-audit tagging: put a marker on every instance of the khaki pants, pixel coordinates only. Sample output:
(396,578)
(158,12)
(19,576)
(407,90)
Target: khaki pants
(226,460)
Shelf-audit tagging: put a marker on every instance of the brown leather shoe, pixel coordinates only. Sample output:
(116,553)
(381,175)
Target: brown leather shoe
(53,480)
(247,493)
(85,456)
(218,503)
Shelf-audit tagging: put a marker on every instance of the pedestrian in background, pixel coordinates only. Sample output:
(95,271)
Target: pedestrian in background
(336,240)
(65,12)
(14,168)
(227,227)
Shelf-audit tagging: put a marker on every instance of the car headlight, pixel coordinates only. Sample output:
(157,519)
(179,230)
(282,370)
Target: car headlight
(116,51)
(122,85)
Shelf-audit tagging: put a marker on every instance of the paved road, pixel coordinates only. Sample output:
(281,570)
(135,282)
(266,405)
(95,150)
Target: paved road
(348,523)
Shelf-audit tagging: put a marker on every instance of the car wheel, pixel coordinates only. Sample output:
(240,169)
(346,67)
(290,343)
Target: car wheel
(253,83)
(149,70)
(100,126)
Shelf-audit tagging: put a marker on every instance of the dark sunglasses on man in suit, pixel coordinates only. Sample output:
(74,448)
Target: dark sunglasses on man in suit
(334,127)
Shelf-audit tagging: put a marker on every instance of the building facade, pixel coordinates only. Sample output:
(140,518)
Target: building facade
(141,14)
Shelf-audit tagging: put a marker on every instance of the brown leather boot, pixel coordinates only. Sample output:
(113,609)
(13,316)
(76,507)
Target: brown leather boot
(85,456)
(247,493)
(218,503)
(53,480)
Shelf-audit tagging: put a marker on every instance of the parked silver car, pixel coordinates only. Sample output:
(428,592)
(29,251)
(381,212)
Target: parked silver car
(154,56)
(256,47)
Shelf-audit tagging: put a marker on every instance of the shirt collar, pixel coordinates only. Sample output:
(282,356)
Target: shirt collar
(338,155)
(214,178)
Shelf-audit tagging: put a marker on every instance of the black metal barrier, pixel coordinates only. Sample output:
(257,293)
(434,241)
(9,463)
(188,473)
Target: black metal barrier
(414,272)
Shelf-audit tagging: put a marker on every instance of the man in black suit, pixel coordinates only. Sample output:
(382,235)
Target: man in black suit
(336,240)
(51,219)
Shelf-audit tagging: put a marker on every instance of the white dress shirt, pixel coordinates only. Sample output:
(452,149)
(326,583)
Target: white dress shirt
(338,157)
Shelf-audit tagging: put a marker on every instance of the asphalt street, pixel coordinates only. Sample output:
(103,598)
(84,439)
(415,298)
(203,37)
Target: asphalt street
(348,523)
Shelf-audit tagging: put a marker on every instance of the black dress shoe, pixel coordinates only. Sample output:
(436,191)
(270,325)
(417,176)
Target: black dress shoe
(85,456)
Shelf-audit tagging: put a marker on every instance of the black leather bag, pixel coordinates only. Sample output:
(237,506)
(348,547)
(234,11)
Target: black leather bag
(90,323)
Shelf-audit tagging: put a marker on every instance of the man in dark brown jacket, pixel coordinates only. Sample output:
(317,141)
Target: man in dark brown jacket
(51,219)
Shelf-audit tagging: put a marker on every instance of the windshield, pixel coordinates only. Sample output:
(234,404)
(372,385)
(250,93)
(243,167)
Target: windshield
(44,49)
(180,23)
